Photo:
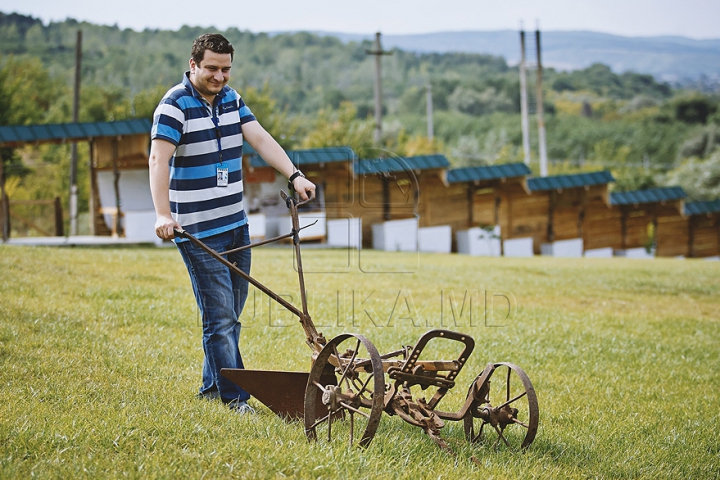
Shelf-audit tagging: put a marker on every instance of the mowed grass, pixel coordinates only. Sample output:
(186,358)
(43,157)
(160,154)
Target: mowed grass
(100,359)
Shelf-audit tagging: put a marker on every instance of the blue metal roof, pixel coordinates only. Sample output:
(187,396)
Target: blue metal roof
(576,180)
(306,157)
(700,208)
(490,172)
(653,195)
(12,136)
(399,164)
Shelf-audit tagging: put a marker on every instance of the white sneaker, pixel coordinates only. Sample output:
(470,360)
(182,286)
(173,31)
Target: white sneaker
(241,407)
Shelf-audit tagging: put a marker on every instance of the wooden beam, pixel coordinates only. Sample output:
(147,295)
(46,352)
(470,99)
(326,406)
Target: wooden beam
(471,205)
(552,203)
(623,227)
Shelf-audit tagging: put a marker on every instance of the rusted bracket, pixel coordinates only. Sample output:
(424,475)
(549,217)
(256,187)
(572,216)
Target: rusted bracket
(477,394)
(414,372)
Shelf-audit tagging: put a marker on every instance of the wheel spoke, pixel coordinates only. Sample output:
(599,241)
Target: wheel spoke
(500,436)
(511,401)
(330,427)
(520,423)
(354,410)
(318,422)
(477,437)
(363,387)
(337,356)
(350,362)
(357,385)
(352,427)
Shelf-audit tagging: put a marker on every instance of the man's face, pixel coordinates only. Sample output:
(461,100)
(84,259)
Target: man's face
(211,75)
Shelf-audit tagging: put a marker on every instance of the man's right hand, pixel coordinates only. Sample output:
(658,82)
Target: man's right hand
(165,226)
(304,187)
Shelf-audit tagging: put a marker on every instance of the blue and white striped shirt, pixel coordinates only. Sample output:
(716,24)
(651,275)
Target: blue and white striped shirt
(185,119)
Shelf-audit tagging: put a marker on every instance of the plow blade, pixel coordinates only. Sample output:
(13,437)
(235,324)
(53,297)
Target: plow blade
(282,392)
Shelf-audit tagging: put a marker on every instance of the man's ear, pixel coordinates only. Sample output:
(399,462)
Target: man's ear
(192,65)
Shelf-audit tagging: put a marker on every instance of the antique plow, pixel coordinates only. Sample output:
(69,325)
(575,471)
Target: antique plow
(350,384)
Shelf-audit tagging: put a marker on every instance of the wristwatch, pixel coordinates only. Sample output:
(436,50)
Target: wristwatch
(297,173)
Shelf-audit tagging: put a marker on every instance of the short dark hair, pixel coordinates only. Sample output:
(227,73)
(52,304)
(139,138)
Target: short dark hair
(213,42)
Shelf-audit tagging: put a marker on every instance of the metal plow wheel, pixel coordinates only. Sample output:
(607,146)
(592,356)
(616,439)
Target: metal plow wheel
(505,409)
(355,403)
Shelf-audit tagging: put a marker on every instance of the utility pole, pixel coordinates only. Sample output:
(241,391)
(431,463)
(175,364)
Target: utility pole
(524,100)
(540,113)
(73,153)
(378,52)
(429,104)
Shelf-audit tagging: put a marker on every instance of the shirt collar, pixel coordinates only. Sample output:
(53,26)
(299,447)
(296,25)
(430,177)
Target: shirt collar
(189,86)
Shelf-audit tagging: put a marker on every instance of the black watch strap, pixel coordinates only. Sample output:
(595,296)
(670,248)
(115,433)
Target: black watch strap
(297,173)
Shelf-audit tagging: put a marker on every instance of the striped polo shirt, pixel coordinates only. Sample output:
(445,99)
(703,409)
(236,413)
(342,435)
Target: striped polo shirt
(207,138)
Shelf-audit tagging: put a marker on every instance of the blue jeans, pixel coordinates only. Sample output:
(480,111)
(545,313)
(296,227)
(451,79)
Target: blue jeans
(220,296)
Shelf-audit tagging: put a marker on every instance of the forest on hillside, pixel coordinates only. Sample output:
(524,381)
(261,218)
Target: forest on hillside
(316,91)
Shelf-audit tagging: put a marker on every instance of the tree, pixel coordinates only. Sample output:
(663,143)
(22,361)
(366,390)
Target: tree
(99,104)
(699,178)
(26,91)
(693,108)
(335,128)
(420,145)
(473,102)
(26,95)
(145,101)
(274,120)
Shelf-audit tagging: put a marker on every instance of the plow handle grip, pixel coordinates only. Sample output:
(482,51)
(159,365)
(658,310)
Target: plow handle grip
(290,200)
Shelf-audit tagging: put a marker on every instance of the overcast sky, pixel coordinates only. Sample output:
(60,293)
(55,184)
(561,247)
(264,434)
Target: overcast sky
(690,18)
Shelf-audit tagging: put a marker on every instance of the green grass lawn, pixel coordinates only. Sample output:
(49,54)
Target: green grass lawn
(100,359)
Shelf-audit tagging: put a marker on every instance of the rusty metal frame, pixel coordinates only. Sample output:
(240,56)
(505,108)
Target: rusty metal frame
(328,398)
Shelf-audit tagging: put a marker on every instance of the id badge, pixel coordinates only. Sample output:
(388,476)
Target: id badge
(222,177)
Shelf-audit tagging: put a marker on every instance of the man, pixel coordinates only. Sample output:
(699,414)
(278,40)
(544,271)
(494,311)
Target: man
(196,184)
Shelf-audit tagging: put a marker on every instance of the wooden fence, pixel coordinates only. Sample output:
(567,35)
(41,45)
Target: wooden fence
(31,218)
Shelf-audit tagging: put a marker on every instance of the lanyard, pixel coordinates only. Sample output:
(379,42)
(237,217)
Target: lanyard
(217,134)
(221,172)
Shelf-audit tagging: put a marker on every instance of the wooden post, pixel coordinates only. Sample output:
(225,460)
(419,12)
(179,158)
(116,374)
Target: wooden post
(92,204)
(59,229)
(471,205)
(387,215)
(508,212)
(654,221)
(552,201)
(116,183)
(581,214)
(623,227)
(73,153)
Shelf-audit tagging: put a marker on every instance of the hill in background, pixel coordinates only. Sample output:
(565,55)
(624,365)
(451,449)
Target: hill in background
(678,60)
